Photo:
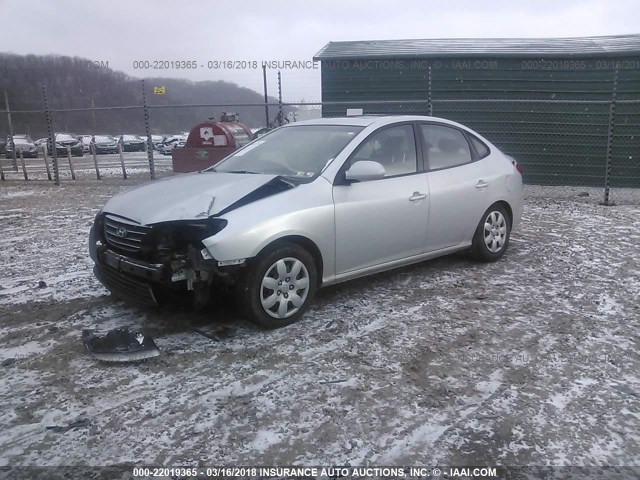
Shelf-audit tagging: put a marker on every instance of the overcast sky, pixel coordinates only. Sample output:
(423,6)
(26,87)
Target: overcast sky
(122,32)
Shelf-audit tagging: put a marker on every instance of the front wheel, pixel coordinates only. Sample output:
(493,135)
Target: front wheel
(279,287)
(491,238)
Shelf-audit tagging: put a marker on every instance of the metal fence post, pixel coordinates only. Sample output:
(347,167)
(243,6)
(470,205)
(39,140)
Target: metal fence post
(24,167)
(46,162)
(147,129)
(266,99)
(51,142)
(280,122)
(612,112)
(95,160)
(14,162)
(429,105)
(73,172)
(124,170)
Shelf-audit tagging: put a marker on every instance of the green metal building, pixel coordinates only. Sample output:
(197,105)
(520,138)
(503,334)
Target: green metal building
(567,108)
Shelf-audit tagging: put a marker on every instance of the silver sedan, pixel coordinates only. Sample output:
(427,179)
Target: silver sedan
(307,205)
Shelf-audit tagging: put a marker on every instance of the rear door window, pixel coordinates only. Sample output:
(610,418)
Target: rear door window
(445,147)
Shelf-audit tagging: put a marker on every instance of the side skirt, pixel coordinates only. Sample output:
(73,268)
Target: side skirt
(394,264)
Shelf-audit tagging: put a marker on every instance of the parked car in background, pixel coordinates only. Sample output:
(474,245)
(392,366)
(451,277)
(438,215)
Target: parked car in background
(157,140)
(23,136)
(310,204)
(132,143)
(258,132)
(105,144)
(3,146)
(41,142)
(28,148)
(86,143)
(67,140)
(175,141)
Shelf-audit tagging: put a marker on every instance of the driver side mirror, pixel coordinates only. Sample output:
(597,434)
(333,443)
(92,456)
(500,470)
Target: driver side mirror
(365,170)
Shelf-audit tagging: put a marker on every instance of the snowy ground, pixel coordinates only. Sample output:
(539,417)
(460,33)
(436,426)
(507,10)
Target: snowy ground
(533,360)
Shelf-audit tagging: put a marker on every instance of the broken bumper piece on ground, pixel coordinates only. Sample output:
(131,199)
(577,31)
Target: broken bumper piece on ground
(120,345)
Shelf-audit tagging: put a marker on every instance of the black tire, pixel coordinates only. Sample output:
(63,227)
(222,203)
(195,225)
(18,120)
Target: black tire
(479,249)
(248,289)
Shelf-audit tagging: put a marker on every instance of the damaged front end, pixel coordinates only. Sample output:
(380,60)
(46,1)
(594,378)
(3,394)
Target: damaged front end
(164,263)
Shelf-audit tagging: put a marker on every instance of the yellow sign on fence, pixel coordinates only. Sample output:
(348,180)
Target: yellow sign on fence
(159,90)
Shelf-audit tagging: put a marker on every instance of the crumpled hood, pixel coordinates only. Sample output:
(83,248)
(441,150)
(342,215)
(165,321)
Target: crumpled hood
(184,197)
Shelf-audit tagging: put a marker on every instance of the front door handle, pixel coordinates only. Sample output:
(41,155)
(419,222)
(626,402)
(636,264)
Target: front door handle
(417,196)
(482,184)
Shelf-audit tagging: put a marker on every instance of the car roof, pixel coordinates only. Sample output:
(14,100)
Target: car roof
(359,121)
(376,120)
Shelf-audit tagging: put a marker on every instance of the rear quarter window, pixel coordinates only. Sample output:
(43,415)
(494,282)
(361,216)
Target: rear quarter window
(481,149)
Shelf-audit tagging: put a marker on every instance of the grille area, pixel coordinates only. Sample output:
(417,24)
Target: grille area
(129,289)
(124,235)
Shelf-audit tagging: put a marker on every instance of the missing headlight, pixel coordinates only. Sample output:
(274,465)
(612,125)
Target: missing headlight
(215,225)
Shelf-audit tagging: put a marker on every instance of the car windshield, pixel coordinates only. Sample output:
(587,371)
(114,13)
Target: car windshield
(65,137)
(104,138)
(300,151)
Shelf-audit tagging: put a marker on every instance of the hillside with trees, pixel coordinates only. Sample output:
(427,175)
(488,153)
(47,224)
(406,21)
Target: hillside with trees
(76,83)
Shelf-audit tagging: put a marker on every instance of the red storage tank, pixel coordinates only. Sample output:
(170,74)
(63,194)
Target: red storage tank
(208,143)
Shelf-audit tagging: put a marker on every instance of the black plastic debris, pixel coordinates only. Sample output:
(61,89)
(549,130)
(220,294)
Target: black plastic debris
(218,334)
(120,345)
(42,284)
(83,422)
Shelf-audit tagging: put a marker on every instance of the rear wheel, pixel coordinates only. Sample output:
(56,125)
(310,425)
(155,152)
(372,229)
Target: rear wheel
(279,287)
(491,238)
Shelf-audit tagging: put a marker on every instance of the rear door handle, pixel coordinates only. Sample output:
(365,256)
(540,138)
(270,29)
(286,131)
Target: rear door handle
(482,184)
(417,196)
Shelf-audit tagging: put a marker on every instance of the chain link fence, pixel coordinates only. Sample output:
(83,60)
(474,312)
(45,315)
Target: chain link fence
(568,142)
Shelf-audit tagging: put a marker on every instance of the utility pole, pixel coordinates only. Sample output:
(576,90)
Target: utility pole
(14,161)
(93,116)
(266,99)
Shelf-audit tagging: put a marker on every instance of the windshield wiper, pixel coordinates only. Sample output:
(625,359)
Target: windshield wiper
(239,171)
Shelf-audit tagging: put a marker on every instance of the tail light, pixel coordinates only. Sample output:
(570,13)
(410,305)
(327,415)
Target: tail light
(516,165)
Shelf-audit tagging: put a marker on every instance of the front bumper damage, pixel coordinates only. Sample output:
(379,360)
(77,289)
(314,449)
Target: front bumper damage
(185,277)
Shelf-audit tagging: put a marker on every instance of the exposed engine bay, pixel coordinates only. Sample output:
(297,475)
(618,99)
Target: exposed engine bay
(166,262)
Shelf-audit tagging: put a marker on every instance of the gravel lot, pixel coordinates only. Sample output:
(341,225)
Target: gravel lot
(533,360)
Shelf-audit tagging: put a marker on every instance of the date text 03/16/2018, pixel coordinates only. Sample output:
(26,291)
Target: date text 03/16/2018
(225,64)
